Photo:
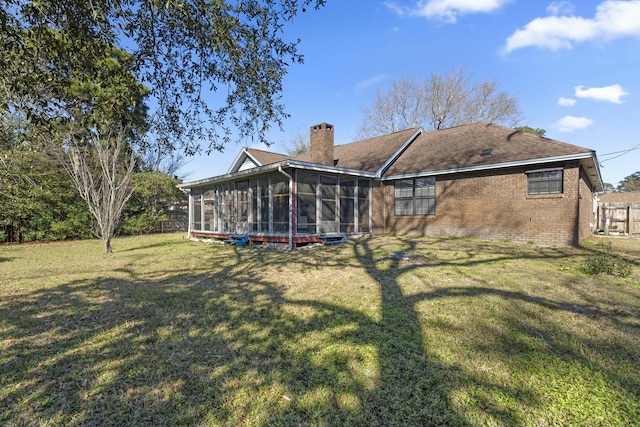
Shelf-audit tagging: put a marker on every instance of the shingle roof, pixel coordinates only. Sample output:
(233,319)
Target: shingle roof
(369,154)
(444,151)
(462,147)
(267,157)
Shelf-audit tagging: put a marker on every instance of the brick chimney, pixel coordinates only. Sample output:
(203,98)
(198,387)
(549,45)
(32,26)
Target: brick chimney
(322,144)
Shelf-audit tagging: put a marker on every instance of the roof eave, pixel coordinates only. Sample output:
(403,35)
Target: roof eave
(317,167)
(296,164)
(593,170)
(231,176)
(594,176)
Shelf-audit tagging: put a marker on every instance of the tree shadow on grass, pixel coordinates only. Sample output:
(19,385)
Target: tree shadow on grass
(233,346)
(222,349)
(514,333)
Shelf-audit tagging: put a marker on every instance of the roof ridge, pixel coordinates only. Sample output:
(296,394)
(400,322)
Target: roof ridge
(385,135)
(265,151)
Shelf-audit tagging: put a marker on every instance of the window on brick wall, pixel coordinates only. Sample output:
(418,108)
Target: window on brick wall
(544,182)
(415,197)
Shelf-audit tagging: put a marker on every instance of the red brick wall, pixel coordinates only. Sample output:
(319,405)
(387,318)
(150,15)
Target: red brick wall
(587,222)
(321,144)
(494,205)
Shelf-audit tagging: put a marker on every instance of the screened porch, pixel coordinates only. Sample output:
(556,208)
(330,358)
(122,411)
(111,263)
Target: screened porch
(296,204)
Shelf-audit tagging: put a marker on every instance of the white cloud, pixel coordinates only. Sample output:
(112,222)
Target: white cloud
(395,7)
(571,123)
(613,93)
(566,102)
(613,19)
(371,81)
(560,8)
(447,10)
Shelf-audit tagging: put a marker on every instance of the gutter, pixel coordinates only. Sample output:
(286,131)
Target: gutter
(274,167)
(587,155)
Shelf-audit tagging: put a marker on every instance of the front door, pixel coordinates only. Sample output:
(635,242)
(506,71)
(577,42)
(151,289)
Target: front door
(328,201)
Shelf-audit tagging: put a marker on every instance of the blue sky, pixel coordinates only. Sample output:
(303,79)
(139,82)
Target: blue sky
(573,66)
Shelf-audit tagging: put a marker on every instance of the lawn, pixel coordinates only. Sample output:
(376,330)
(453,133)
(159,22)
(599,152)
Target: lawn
(383,331)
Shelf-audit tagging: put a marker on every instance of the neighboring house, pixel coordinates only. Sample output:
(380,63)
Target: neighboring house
(619,213)
(477,180)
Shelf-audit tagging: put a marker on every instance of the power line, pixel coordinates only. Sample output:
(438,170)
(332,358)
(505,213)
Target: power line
(620,153)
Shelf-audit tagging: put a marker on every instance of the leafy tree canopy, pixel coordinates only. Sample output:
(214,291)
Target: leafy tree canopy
(153,192)
(56,86)
(183,50)
(630,183)
(38,201)
(535,131)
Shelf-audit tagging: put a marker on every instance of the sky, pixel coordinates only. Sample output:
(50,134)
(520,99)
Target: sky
(574,67)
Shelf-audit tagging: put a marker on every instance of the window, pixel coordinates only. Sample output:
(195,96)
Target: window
(544,182)
(242,206)
(307,186)
(228,212)
(415,197)
(328,213)
(265,208)
(347,206)
(280,204)
(209,212)
(196,204)
(254,192)
(364,221)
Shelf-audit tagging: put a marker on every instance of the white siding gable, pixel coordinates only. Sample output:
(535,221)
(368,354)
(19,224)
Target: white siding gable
(247,164)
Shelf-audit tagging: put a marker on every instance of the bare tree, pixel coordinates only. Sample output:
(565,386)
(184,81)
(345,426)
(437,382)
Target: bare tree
(402,107)
(171,163)
(299,144)
(101,169)
(487,103)
(438,102)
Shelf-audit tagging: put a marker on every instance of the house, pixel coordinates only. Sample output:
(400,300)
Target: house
(477,180)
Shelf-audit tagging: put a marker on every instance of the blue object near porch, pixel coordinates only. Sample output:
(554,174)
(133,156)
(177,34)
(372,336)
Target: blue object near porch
(237,239)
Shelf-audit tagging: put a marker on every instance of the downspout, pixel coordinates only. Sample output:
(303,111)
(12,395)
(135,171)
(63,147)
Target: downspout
(290,205)
(384,205)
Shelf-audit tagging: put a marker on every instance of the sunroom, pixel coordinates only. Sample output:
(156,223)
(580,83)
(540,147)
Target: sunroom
(285,204)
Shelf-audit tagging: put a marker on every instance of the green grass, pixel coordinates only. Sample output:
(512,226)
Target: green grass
(385,331)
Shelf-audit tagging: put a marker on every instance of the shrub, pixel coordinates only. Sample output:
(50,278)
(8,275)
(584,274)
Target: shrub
(142,223)
(607,263)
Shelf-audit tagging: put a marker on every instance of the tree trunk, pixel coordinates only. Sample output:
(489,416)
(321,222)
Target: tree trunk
(107,246)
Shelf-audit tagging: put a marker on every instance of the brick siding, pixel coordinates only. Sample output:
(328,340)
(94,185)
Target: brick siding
(587,221)
(495,205)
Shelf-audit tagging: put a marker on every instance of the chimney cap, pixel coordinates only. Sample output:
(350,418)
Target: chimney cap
(320,126)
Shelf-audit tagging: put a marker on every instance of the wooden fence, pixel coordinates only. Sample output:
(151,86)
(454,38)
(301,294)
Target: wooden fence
(177,220)
(618,218)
